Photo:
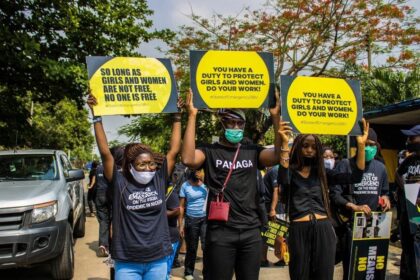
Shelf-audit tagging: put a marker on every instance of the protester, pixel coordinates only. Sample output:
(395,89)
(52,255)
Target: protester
(408,173)
(193,196)
(140,235)
(172,211)
(118,154)
(102,214)
(361,197)
(271,199)
(91,188)
(305,182)
(233,245)
(329,158)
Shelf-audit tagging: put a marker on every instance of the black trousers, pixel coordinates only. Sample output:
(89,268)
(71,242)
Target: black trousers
(345,244)
(230,250)
(312,250)
(102,213)
(195,229)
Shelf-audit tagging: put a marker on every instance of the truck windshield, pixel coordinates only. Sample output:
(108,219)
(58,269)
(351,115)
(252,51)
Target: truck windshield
(28,167)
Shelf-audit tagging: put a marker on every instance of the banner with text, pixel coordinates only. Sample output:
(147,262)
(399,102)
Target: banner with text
(315,105)
(131,85)
(232,79)
(369,251)
(274,229)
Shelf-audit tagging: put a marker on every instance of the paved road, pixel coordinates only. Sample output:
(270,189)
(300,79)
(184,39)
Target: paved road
(89,266)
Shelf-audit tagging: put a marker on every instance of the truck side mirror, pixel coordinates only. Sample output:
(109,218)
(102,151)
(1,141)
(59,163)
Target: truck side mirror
(75,175)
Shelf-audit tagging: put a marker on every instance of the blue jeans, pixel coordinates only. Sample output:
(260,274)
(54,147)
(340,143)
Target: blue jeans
(171,258)
(155,270)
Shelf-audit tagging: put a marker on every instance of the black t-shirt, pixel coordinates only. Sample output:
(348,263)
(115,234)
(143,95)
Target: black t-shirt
(241,190)
(172,203)
(139,222)
(270,182)
(306,193)
(409,171)
(374,184)
(101,183)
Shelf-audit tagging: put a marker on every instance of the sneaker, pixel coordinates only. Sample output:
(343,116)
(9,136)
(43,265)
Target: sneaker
(189,277)
(280,263)
(102,252)
(265,263)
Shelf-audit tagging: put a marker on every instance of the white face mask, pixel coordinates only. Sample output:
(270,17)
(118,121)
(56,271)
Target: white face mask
(143,177)
(329,163)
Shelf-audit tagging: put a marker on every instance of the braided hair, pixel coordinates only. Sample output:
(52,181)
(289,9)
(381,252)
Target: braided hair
(132,151)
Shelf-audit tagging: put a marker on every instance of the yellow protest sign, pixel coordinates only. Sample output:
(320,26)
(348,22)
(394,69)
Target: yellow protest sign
(321,105)
(231,79)
(131,85)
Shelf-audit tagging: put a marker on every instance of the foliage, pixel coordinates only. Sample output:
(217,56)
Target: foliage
(67,128)
(44,48)
(382,86)
(305,36)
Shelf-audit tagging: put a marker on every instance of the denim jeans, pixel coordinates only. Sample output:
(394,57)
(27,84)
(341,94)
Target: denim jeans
(155,270)
(195,229)
(102,213)
(171,258)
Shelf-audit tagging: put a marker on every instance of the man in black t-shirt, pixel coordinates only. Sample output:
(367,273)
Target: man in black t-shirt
(232,246)
(409,173)
(365,195)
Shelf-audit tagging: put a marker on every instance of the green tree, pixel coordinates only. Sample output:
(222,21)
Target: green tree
(311,37)
(382,86)
(44,48)
(62,126)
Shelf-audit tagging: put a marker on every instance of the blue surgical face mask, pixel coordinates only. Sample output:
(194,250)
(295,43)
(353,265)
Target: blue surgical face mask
(370,152)
(233,135)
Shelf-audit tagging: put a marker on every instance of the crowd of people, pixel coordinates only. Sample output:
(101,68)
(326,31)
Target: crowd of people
(221,200)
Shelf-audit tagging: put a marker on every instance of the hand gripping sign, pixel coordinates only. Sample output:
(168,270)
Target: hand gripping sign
(131,85)
(231,79)
(315,105)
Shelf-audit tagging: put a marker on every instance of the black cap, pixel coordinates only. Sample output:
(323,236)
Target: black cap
(414,131)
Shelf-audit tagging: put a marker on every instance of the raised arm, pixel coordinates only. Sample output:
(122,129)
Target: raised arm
(175,144)
(190,156)
(270,157)
(101,141)
(361,141)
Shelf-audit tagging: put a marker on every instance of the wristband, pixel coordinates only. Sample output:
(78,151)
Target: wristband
(176,118)
(97,119)
(284,150)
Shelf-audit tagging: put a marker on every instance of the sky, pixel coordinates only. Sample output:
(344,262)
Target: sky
(173,13)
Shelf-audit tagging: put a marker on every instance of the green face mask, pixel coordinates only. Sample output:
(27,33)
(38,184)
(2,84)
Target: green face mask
(234,135)
(370,152)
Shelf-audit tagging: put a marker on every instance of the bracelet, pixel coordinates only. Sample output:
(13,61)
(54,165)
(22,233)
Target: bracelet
(97,119)
(176,118)
(284,159)
(285,150)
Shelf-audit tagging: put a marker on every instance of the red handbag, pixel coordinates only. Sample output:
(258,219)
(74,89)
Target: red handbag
(219,209)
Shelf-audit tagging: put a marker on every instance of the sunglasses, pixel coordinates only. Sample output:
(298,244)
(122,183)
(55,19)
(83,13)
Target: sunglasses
(231,123)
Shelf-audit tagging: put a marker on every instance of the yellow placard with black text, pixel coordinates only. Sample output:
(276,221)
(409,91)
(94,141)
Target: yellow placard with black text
(316,105)
(232,79)
(131,85)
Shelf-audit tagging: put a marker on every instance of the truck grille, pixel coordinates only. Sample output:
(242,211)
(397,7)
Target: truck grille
(13,218)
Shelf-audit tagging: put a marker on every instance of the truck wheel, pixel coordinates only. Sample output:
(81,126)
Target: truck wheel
(79,228)
(62,267)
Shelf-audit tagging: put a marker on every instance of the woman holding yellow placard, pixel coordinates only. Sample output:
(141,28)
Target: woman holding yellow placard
(305,182)
(140,234)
